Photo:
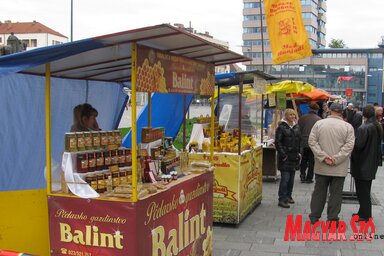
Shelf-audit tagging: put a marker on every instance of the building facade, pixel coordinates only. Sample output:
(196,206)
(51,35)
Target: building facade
(32,34)
(340,71)
(254,23)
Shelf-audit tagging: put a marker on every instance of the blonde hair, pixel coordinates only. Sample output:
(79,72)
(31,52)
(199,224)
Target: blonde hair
(289,111)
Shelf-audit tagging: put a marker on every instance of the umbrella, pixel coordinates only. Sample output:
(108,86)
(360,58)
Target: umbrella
(316,95)
(289,86)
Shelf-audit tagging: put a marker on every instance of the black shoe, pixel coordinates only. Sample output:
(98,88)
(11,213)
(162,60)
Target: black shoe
(313,221)
(290,201)
(309,181)
(362,219)
(333,221)
(302,179)
(283,204)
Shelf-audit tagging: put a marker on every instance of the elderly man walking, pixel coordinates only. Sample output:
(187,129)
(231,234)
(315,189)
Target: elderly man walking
(331,140)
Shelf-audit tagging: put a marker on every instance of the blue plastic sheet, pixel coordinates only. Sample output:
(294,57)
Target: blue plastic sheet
(167,112)
(22,126)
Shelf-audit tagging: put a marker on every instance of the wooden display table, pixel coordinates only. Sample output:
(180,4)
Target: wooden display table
(175,221)
(237,187)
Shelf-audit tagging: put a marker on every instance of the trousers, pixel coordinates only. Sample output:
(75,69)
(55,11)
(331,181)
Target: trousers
(286,185)
(319,197)
(363,191)
(307,161)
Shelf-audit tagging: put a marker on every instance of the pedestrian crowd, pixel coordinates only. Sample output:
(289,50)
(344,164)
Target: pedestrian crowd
(322,144)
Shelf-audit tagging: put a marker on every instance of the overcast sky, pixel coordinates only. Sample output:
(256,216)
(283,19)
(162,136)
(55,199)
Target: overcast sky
(359,23)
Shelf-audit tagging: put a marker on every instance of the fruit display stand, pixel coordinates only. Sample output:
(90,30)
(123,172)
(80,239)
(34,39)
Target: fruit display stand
(174,221)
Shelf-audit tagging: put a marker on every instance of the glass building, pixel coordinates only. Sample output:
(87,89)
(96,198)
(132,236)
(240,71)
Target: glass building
(332,69)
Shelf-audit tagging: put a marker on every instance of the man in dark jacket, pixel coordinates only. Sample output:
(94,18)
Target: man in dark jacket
(357,119)
(306,122)
(366,157)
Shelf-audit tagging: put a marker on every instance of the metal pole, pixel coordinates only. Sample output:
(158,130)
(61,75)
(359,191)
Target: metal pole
(262,119)
(240,109)
(48,126)
(212,133)
(218,102)
(134,126)
(184,120)
(149,109)
(71,20)
(262,35)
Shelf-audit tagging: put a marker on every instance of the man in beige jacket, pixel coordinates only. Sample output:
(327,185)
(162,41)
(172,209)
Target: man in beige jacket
(331,141)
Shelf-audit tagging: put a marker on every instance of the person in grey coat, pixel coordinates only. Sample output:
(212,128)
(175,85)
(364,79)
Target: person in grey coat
(331,141)
(366,157)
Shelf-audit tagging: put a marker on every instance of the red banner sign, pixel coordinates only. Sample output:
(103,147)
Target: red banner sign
(158,71)
(348,92)
(177,221)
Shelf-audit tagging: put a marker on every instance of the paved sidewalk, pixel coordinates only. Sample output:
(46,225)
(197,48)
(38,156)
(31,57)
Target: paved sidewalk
(262,231)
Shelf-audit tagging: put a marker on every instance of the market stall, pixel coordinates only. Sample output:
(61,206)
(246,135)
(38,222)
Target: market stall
(109,209)
(238,155)
(278,95)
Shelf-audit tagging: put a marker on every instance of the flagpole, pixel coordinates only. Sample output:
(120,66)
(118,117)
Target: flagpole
(262,35)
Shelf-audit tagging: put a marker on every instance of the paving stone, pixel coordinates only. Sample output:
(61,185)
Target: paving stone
(350,252)
(315,250)
(254,253)
(226,252)
(232,245)
(268,248)
(262,231)
(290,254)
(219,237)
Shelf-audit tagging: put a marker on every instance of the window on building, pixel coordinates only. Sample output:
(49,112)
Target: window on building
(311,29)
(54,42)
(254,30)
(253,17)
(252,5)
(33,42)
(25,42)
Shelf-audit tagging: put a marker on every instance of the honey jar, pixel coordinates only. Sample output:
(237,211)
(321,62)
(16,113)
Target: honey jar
(70,142)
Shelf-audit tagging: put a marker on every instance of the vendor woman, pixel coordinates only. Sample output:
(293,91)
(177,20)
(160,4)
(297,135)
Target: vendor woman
(84,118)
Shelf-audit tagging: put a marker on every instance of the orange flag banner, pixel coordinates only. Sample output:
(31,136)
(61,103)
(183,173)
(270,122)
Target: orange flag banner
(287,34)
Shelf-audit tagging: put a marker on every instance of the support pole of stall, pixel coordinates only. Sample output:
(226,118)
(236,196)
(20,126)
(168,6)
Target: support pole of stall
(262,119)
(184,120)
(134,128)
(218,102)
(240,109)
(149,109)
(212,127)
(294,106)
(48,126)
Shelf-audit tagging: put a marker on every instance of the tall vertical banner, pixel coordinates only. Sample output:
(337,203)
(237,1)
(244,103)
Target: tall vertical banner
(287,34)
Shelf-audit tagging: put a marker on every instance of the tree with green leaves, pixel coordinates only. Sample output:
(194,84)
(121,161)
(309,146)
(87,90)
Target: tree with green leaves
(337,43)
